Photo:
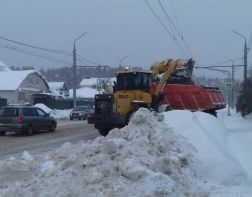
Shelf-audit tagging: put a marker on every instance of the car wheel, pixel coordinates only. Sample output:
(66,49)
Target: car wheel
(71,118)
(2,133)
(29,130)
(52,127)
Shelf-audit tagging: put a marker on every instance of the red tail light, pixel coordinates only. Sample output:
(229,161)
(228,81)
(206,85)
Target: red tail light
(20,119)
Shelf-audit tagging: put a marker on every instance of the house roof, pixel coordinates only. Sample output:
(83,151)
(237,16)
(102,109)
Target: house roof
(56,85)
(4,67)
(93,81)
(11,80)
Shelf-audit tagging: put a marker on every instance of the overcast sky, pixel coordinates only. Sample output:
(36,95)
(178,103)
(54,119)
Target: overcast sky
(125,28)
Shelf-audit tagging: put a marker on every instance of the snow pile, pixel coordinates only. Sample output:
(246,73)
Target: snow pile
(239,139)
(209,136)
(145,158)
(43,107)
(56,113)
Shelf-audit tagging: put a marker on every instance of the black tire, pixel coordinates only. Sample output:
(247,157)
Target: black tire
(71,118)
(2,133)
(29,130)
(130,115)
(104,132)
(52,128)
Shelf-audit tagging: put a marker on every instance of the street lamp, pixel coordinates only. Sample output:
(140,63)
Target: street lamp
(74,69)
(123,58)
(245,59)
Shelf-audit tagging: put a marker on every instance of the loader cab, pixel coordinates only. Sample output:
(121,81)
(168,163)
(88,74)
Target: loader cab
(133,80)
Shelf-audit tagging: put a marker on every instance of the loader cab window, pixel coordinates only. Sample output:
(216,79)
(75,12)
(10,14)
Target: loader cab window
(133,81)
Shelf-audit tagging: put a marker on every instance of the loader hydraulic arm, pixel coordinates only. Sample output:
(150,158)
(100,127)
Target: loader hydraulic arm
(166,68)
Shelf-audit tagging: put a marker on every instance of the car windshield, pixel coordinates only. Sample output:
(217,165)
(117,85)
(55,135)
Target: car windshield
(8,112)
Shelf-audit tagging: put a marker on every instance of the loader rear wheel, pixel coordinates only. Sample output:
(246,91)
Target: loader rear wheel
(103,132)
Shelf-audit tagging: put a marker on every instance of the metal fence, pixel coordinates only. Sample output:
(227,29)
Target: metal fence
(57,103)
(3,102)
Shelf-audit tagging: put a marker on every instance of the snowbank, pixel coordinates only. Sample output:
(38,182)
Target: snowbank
(145,158)
(176,154)
(208,135)
(56,113)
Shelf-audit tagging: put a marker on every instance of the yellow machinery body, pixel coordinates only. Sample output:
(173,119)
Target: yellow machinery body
(130,100)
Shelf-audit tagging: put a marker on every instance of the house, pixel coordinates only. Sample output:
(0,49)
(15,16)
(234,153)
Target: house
(18,86)
(59,88)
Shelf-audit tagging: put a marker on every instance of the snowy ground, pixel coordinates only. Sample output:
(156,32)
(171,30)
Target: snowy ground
(176,153)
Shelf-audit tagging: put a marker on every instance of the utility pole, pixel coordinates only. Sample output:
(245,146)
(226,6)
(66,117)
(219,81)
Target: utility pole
(232,79)
(245,64)
(75,76)
(233,83)
(245,60)
(74,70)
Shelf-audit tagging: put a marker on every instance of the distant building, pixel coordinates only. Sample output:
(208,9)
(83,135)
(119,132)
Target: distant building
(18,86)
(106,83)
(88,82)
(59,88)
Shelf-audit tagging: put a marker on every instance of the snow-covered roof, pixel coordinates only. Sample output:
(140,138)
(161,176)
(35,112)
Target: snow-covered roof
(88,81)
(85,92)
(56,85)
(4,67)
(93,81)
(11,80)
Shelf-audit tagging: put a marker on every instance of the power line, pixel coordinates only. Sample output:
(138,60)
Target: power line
(159,19)
(180,34)
(169,18)
(223,62)
(174,15)
(165,27)
(38,48)
(34,55)
(88,60)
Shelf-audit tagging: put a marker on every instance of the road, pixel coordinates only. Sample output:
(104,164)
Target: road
(66,131)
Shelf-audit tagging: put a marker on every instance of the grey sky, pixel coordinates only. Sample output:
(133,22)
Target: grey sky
(119,28)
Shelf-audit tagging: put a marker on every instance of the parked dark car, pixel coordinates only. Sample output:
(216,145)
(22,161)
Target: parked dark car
(80,112)
(25,119)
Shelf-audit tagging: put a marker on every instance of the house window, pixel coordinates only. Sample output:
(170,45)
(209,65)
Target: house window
(21,96)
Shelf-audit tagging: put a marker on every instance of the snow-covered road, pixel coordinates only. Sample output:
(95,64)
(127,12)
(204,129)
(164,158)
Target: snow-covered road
(67,131)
